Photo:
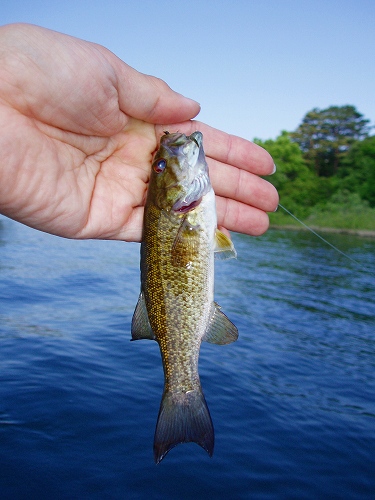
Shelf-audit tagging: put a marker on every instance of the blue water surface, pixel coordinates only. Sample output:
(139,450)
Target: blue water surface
(293,400)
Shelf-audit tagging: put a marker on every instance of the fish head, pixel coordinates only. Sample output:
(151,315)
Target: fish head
(179,177)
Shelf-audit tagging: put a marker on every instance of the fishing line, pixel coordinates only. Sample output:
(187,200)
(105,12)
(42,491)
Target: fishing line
(321,237)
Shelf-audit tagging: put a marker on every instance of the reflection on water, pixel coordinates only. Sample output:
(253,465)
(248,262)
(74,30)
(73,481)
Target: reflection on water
(292,400)
(19,326)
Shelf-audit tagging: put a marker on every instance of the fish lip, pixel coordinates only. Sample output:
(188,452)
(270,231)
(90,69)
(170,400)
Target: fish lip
(176,140)
(197,137)
(197,189)
(195,140)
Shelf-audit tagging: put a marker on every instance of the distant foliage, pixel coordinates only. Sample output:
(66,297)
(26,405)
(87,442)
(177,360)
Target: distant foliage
(344,210)
(326,169)
(325,136)
(299,188)
(357,173)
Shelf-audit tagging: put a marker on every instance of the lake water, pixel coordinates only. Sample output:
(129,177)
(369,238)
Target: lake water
(292,401)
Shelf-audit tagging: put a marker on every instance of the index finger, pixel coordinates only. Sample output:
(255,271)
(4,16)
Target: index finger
(227,148)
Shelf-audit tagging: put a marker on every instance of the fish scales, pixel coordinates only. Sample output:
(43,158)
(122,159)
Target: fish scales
(177,297)
(176,306)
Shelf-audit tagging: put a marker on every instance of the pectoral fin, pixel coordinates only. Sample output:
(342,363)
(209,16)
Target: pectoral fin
(220,329)
(141,328)
(224,248)
(186,244)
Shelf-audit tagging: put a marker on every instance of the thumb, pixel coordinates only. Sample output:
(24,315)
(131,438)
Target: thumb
(150,99)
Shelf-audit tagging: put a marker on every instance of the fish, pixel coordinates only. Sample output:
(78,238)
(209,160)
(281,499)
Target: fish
(176,304)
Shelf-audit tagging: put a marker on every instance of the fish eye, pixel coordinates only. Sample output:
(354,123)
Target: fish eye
(159,165)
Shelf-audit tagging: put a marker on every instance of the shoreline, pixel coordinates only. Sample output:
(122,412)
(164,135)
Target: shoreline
(363,233)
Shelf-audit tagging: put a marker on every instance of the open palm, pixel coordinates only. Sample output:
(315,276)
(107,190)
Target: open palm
(78,128)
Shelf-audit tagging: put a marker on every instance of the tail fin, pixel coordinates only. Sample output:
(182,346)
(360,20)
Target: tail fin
(183,418)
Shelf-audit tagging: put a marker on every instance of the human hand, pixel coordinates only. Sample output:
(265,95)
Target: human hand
(78,128)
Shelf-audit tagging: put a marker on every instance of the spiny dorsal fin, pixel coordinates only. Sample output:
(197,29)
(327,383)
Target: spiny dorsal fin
(220,329)
(224,248)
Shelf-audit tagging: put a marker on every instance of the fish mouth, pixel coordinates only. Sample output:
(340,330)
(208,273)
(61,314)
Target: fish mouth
(197,189)
(187,208)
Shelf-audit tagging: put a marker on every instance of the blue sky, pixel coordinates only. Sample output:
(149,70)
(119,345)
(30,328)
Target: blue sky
(255,67)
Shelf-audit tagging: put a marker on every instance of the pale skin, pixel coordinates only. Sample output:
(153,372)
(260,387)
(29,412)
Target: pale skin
(78,129)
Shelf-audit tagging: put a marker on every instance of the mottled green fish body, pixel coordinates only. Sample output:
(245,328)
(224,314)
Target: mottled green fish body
(176,305)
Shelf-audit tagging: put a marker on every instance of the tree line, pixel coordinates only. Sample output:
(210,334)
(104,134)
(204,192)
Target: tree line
(328,160)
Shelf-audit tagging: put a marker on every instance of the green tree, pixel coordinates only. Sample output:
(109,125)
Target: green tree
(299,188)
(287,157)
(325,136)
(357,173)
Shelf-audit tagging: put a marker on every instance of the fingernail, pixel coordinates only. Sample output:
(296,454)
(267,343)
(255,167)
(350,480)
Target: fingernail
(274,168)
(191,100)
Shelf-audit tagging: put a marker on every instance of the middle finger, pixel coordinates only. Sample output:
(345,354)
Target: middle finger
(241,185)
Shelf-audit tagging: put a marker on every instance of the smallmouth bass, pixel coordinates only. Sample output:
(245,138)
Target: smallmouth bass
(176,304)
